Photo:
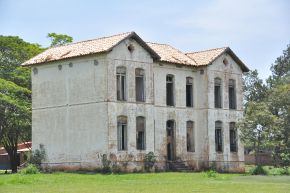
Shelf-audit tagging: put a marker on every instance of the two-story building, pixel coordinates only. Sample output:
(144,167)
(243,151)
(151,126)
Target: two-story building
(124,97)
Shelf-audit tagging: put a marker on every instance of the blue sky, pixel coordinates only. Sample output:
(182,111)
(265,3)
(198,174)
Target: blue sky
(256,30)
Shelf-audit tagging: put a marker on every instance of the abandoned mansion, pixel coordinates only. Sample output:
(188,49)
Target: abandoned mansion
(124,97)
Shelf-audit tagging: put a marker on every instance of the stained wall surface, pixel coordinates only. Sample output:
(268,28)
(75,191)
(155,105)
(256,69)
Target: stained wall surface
(75,110)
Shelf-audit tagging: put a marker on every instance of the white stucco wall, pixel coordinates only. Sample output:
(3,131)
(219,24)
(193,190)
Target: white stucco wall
(75,109)
(226,115)
(69,109)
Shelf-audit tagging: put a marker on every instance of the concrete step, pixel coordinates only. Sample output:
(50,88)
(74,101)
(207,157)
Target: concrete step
(179,166)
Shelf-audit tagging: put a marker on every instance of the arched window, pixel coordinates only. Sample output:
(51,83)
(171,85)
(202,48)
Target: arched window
(121,83)
(233,137)
(190,146)
(189,92)
(218,136)
(170,90)
(122,132)
(139,85)
(140,133)
(217,93)
(232,94)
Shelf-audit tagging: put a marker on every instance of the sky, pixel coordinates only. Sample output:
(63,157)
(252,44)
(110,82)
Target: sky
(256,30)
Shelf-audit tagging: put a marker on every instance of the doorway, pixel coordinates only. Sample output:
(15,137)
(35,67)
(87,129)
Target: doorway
(170,132)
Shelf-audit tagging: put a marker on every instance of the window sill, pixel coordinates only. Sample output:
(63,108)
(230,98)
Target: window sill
(122,101)
(140,102)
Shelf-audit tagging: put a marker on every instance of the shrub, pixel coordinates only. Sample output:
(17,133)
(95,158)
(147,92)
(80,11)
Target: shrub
(258,170)
(106,164)
(30,169)
(38,156)
(211,173)
(149,161)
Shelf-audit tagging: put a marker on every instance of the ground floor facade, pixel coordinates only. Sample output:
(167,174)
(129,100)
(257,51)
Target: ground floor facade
(80,137)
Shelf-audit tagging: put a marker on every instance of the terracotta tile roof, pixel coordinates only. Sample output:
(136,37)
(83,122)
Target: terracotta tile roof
(169,54)
(205,57)
(78,49)
(160,52)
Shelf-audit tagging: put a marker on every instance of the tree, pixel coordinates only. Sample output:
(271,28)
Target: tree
(15,111)
(13,52)
(254,88)
(267,112)
(258,127)
(15,94)
(282,64)
(279,102)
(59,39)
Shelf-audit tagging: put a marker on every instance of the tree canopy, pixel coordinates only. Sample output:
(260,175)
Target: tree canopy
(267,106)
(59,39)
(15,94)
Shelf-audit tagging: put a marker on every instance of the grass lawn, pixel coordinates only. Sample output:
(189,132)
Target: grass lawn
(153,182)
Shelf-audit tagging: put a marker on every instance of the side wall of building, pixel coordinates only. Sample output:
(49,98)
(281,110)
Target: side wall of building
(225,160)
(180,113)
(137,58)
(69,115)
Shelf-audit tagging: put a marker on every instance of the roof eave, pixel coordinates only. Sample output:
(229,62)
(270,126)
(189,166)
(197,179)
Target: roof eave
(62,59)
(237,60)
(153,54)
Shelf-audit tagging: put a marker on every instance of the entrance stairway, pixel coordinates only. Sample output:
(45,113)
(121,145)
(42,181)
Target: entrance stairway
(178,166)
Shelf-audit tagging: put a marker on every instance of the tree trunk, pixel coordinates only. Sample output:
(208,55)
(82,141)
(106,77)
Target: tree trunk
(12,153)
(257,151)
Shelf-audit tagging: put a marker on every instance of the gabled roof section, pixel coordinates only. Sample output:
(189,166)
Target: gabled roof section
(100,45)
(206,57)
(169,54)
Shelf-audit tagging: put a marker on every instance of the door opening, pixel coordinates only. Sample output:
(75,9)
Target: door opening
(170,130)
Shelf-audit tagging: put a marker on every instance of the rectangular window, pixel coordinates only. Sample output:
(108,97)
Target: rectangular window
(170,90)
(218,137)
(121,83)
(122,133)
(140,133)
(189,92)
(190,136)
(217,93)
(233,138)
(232,94)
(139,84)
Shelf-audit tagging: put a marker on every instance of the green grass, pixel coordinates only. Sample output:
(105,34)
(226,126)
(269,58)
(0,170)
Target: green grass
(153,182)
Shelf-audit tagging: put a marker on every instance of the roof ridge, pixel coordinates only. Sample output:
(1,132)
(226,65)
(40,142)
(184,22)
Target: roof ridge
(181,52)
(225,47)
(72,43)
(159,43)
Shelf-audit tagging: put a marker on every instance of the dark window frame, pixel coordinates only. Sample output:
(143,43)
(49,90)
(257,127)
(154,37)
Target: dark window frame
(189,92)
(218,93)
(190,136)
(121,83)
(140,133)
(170,93)
(140,85)
(218,137)
(122,133)
(233,138)
(232,94)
